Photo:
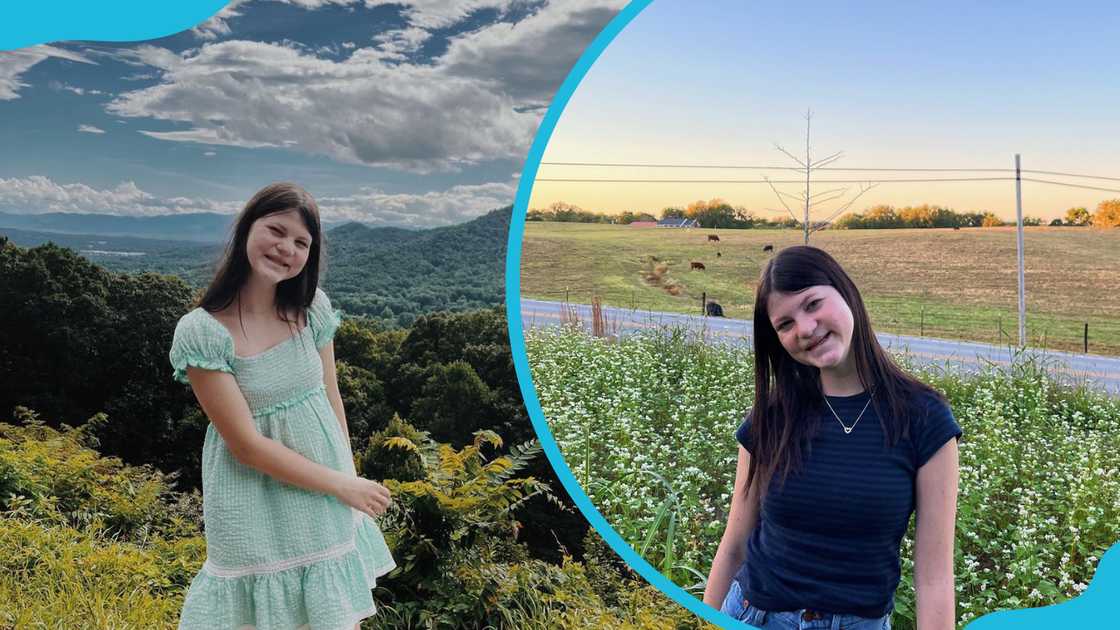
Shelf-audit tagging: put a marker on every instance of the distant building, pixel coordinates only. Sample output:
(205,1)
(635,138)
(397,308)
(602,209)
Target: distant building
(643,224)
(678,223)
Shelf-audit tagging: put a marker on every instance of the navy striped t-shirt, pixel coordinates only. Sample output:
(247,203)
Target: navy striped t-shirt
(829,538)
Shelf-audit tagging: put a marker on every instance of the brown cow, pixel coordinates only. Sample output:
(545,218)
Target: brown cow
(713,237)
(696,265)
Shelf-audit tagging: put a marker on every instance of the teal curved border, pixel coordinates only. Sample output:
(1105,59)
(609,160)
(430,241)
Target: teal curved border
(516,329)
(42,21)
(1085,610)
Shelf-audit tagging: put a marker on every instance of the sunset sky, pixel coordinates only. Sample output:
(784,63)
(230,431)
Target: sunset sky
(947,85)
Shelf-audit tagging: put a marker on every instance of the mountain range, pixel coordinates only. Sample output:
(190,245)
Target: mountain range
(386,273)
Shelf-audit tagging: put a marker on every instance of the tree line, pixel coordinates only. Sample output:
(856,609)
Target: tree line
(717,213)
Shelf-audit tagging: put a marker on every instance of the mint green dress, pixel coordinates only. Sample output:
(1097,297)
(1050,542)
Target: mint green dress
(278,557)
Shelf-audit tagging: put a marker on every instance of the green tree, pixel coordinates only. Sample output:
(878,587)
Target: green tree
(1078,216)
(453,404)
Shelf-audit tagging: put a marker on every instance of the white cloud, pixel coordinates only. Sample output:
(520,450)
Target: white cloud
(358,110)
(530,59)
(16,62)
(209,153)
(90,129)
(432,209)
(217,25)
(481,101)
(395,44)
(433,14)
(38,194)
(205,136)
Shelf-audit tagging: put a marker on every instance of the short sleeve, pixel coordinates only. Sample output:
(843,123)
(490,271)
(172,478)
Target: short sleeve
(323,319)
(743,433)
(937,428)
(202,342)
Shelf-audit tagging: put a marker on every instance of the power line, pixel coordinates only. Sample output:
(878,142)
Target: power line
(773,168)
(825,168)
(1045,181)
(774,181)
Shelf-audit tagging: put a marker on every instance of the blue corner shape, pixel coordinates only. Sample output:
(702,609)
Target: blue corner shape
(42,21)
(1083,611)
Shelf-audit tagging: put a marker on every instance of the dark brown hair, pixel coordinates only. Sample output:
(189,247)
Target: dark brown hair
(292,295)
(788,394)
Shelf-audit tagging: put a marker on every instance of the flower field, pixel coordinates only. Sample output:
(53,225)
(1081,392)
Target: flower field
(647,426)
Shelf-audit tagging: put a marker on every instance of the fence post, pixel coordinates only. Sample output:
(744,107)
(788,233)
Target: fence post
(923,324)
(999,331)
(704,303)
(1086,337)
(566,295)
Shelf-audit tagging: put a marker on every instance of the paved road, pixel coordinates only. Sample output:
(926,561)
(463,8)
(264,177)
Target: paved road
(1100,372)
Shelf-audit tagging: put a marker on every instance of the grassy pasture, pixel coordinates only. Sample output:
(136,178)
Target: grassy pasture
(958,284)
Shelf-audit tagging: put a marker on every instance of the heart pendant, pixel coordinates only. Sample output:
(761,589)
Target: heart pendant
(847,430)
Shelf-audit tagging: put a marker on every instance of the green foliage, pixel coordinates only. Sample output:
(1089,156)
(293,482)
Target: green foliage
(394,453)
(76,340)
(454,534)
(55,576)
(453,401)
(1078,216)
(55,477)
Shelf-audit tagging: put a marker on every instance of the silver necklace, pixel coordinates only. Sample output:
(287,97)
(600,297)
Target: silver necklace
(847,429)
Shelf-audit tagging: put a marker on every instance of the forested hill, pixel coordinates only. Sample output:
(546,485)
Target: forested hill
(395,274)
(386,273)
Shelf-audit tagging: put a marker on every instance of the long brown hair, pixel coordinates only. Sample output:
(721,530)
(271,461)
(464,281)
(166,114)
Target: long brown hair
(788,394)
(292,295)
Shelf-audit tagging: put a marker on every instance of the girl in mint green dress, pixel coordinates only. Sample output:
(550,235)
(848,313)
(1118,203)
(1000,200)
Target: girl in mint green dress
(291,541)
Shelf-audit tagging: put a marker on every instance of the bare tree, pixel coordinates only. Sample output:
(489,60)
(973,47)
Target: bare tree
(812,202)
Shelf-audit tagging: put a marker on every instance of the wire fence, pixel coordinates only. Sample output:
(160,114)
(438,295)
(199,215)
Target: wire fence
(896,314)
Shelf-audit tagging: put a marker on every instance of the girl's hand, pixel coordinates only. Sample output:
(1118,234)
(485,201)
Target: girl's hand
(365,495)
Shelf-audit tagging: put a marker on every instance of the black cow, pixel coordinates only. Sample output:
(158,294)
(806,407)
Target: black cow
(714,310)
(767,248)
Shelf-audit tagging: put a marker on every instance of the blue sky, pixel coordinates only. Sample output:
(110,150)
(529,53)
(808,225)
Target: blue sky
(415,113)
(911,85)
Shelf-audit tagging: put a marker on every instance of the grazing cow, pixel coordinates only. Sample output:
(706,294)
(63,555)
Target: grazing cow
(767,248)
(714,310)
(696,265)
(713,237)
(718,254)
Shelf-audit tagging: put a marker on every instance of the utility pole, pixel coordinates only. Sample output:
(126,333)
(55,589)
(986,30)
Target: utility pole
(805,223)
(1019,248)
(811,200)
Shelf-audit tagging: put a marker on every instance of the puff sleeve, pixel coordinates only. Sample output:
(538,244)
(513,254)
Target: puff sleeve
(323,319)
(202,342)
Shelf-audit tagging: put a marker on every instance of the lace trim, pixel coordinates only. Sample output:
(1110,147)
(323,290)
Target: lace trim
(349,625)
(291,402)
(182,363)
(283,565)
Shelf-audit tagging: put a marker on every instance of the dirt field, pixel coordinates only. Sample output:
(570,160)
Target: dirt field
(937,282)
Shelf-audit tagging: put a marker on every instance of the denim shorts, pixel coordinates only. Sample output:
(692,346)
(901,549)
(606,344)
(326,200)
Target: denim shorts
(795,619)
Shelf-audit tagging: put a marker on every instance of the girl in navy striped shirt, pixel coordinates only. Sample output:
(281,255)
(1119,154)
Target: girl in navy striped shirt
(840,448)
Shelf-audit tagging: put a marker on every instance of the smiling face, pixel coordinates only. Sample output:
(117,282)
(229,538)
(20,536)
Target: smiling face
(278,246)
(814,326)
